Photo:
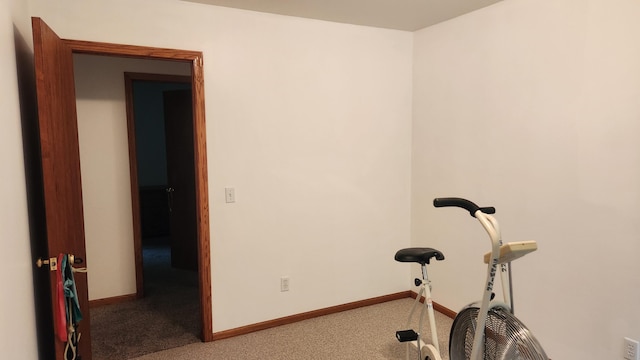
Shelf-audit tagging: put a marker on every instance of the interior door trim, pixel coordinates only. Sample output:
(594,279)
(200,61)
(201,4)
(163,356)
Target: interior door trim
(202,192)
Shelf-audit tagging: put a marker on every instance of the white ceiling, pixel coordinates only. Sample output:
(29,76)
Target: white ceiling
(410,15)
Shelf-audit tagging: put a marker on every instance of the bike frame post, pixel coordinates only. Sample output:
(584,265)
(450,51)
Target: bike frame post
(429,303)
(491,226)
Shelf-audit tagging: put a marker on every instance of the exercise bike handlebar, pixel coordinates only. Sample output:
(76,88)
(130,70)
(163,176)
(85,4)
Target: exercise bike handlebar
(490,224)
(463,203)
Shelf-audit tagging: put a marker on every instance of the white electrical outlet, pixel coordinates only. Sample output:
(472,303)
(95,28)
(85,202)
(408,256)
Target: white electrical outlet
(284,284)
(630,350)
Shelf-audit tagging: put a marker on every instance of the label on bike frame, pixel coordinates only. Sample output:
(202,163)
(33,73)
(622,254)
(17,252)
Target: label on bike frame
(494,268)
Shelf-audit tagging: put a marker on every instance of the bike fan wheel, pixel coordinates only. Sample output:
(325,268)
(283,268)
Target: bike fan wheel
(506,337)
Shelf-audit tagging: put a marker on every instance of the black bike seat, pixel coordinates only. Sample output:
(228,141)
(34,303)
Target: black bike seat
(419,255)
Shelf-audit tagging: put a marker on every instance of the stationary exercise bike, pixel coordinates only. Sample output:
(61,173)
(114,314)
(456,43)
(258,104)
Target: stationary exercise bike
(504,336)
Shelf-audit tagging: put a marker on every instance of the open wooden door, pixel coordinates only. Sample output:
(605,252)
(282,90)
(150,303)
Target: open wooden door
(178,120)
(60,164)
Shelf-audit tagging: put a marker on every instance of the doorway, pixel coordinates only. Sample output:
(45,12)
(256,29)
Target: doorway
(193,58)
(160,126)
(159,130)
(107,165)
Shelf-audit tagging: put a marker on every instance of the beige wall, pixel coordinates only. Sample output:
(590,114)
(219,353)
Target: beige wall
(17,311)
(532,106)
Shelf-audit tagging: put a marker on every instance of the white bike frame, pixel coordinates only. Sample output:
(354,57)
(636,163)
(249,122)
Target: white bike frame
(432,349)
(490,224)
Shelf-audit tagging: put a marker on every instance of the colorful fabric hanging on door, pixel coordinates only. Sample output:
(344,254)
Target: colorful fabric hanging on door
(67,312)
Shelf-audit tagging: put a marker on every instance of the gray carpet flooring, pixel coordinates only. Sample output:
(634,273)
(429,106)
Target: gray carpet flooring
(364,333)
(165,326)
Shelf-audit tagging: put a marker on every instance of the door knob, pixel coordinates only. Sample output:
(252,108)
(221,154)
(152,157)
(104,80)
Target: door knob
(170,192)
(52,262)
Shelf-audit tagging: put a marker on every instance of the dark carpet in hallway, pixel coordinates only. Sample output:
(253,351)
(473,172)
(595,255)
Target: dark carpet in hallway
(167,317)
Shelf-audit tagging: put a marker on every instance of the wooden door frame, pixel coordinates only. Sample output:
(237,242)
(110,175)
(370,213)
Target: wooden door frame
(200,153)
(129,78)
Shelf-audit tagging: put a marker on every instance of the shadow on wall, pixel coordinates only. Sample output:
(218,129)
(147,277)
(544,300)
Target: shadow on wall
(35,196)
